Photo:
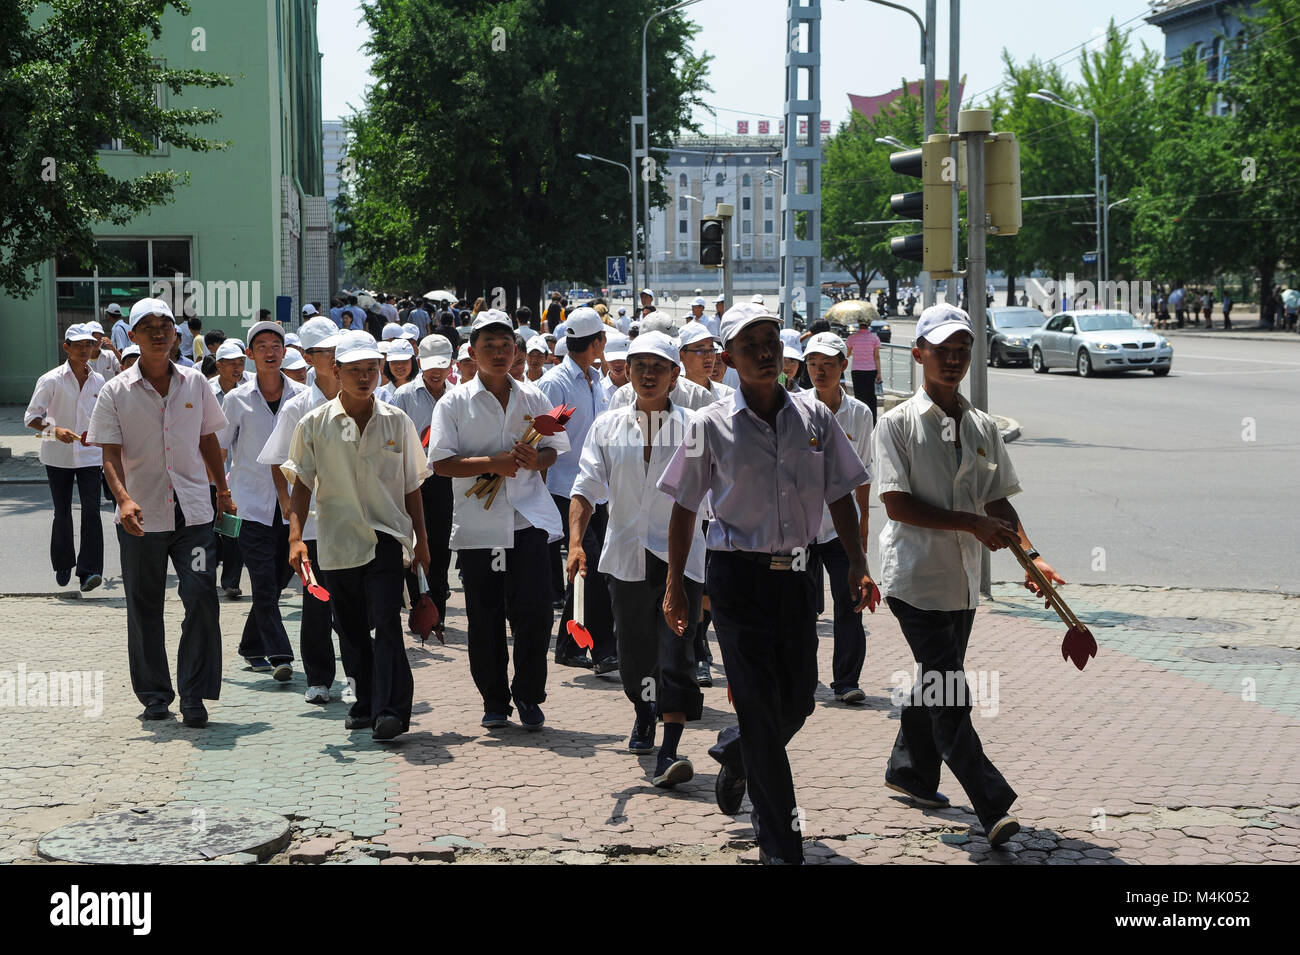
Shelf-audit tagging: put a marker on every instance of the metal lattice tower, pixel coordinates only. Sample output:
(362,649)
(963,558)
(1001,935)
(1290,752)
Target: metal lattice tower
(803,65)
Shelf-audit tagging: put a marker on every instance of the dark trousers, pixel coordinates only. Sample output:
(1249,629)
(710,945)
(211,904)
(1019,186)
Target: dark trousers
(864,389)
(509,585)
(656,665)
(767,630)
(927,733)
(598,616)
(192,553)
(435,492)
(232,565)
(368,598)
(315,638)
(850,637)
(265,549)
(63,550)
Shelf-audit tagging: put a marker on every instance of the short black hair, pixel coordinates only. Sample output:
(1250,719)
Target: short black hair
(214,338)
(523,314)
(578,345)
(209,366)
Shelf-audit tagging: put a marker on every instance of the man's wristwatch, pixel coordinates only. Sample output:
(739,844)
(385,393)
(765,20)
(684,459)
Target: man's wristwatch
(1032,554)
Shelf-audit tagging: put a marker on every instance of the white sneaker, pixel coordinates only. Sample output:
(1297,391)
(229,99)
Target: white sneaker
(317,694)
(349,693)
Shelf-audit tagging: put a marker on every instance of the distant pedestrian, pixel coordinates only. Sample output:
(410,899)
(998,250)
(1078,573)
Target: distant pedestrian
(864,358)
(1227,311)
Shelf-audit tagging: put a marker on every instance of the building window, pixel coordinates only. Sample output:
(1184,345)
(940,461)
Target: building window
(744,203)
(767,226)
(681,180)
(767,203)
(682,226)
(136,269)
(769,249)
(683,250)
(746,226)
(746,251)
(747,180)
(681,204)
(720,179)
(115,144)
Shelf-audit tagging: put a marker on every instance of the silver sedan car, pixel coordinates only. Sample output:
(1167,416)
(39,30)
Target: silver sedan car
(1092,342)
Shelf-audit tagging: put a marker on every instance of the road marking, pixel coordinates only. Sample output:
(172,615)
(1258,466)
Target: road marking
(1253,361)
(1271,371)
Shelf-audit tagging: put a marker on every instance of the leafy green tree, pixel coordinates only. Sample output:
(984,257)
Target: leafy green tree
(74,74)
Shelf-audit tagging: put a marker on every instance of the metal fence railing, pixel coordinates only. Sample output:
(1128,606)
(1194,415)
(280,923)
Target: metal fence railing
(897,370)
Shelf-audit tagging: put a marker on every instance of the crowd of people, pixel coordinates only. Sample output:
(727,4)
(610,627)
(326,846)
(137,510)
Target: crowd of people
(685,481)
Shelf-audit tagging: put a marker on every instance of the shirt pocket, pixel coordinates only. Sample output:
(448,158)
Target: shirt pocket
(390,464)
(809,468)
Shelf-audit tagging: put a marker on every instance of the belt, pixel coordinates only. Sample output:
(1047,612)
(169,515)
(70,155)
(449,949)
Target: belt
(775,561)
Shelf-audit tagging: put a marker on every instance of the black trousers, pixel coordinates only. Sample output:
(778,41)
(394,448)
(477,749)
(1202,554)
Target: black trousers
(63,550)
(598,616)
(864,389)
(656,665)
(368,598)
(315,637)
(192,553)
(767,629)
(930,733)
(508,584)
(265,549)
(850,637)
(435,493)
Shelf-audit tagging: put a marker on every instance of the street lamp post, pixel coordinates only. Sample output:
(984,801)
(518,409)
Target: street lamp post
(1047,96)
(631,188)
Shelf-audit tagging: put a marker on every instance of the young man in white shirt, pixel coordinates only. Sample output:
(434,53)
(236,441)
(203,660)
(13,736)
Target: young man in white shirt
(120,332)
(615,363)
(60,409)
(251,411)
(686,393)
(501,550)
(319,336)
(827,357)
(157,423)
(362,462)
(105,358)
(944,477)
(625,452)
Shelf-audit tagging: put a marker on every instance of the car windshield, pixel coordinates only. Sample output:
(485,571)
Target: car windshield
(1017,318)
(1107,321)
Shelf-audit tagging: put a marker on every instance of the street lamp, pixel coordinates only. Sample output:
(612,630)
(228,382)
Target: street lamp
(1047,96)
(1106,232)
(631,189)
(891,141)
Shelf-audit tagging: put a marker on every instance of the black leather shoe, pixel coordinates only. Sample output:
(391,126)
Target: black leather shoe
(386,728)
(607,665)
(156,711)
(934,800)
(357,722)
(580,662)
(195,715)
(729,790)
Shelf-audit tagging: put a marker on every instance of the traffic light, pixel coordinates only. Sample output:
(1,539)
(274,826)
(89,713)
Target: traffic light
(1002,183)
(712,241)
(932,204)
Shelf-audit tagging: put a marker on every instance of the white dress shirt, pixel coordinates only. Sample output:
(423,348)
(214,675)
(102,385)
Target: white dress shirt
(855,418)
(249,422)
(613,465)
(768,486)
(63,403)
(418,402)
(276,450)
(106,364)
(215,383)
(360,481)
(567,384)
(160,442)
(933,569)
(685,394)
(469,421)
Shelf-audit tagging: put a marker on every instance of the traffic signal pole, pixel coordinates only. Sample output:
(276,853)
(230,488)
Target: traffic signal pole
(974,125)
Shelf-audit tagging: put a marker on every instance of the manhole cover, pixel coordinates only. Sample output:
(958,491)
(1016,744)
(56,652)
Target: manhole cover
(167,835)
(1184,624)
(1259,656)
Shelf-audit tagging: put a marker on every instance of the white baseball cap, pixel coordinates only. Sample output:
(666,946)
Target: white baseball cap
(435,352)
(561,348)
(229,349)
(582,322)
(356,346)
(826,343)
(309,309)
(741,316)
(383,347)
(293,361)
(622,311)
(94,327)
(616,345)
(538,343)
(319,332)
(149,306)
(114,309)
(260,327)
(698,300)
(411,330)
(789,351)
(660,322)
(940,321)
(131,349)
(654,343)
(400,349)
(693,332)
(758,299)
(463,354)
(491,316)
(290,338)
(646,291)
(790,336)
(78,333)
(720,298)
(391,331)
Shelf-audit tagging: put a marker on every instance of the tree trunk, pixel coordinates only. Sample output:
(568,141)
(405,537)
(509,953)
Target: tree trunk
(892,302)
(1011,288)
(1266,314)
(530,293)
(863,279)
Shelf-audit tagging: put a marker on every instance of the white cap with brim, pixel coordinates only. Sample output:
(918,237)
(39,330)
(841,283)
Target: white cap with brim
(309,310)
(356,346)
(260,327)
(230,349)
(757,299)
(435,352)
(826,343)
(698,300)
(720,298)
(561,348)
(411,330)
(149,306)
(790,336)
(582,323)
(790,352)
(383,348)
(693,332)
(78,333)
(538,344)
(463,354)
(401,349)
(940,321)
(739,317)
(616,345)
(94,328)
(114,309)
(646,291)
(489,317)
(391,331)
(291,339)
(129,351)
(657,344)
(319,333)
(293,361)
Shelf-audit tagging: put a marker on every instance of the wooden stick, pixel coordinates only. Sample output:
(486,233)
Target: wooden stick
(1048,591)
(492,497)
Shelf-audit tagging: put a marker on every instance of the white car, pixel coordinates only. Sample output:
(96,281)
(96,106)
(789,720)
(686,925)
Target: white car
(1092,342)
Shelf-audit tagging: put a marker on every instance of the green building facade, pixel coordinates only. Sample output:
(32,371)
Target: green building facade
(250,230)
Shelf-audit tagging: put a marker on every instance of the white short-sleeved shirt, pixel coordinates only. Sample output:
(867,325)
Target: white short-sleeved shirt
(276,450)
(106,364)
(768,486)
(418,402)
(249,422)
(469,421)
(62,403)
(685,394)
(613,465)
(567,384)
(359,480)
(855,418)
(914,453)
(160,442)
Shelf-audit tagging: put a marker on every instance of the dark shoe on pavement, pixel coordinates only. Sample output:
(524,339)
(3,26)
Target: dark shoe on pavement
(581,662)
(531,716)
(1003,829)
(357,722)
(494,721)
(259,664)
(156,711)
(934,800)
(283,673)
(702,675)
(61,577)
(729,790)
(194,715)
(387,727)
(671,771)
(232,593)
(607,665)
(642,739)
(851,695)
(91,582)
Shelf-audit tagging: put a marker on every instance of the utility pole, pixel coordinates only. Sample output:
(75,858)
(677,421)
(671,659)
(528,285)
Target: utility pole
(636,172)
(725,212)
(927,282)
(802,62)
(954,104)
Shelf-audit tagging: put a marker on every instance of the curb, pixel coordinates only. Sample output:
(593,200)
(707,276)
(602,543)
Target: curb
(1008,427)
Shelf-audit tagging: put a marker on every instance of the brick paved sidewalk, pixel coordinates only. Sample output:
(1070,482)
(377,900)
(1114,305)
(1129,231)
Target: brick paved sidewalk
(1177,744)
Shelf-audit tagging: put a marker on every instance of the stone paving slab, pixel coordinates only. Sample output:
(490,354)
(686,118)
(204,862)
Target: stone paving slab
(1149,755)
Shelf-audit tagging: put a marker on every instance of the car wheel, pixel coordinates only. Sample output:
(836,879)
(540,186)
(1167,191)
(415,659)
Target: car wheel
(1160,372)
(1036,360)
(995,356)
(1084,364)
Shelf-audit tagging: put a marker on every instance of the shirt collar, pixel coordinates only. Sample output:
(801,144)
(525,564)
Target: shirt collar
(576,372)
(927,405)
(134,374)
(738,396)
